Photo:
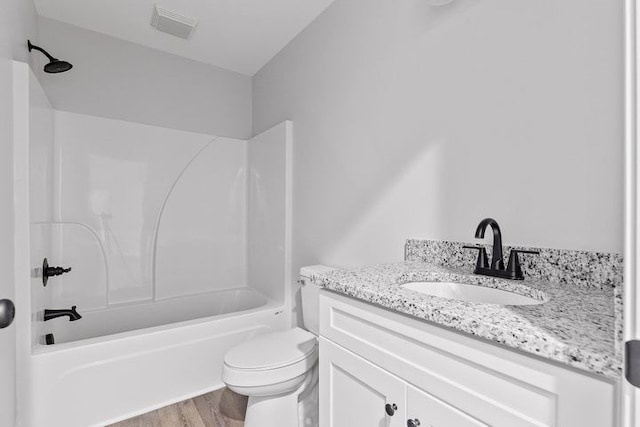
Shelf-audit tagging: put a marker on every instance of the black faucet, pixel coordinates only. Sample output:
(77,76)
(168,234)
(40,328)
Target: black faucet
(513,270)
(496,255)
(52,314)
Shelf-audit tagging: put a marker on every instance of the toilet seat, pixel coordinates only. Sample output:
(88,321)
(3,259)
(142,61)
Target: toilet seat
(272,350)
(275,361)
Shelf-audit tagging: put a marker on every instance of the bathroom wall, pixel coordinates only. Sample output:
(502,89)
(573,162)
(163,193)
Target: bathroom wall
(114,180)
(17,23)
(117,79)
(419,121)
(269,164)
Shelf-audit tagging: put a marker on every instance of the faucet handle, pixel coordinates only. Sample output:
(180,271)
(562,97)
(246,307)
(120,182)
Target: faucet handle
(483,261)
(48,271)
(514,263)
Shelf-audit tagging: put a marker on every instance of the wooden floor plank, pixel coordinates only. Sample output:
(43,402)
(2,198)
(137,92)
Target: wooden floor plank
(189,414)
(206,405)
(147,420)
(232,405)
(170,416)
(220,408)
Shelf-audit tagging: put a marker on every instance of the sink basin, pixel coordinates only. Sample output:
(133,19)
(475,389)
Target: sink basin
(471,293)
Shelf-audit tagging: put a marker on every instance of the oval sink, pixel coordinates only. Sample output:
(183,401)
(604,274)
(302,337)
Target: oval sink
(471,293)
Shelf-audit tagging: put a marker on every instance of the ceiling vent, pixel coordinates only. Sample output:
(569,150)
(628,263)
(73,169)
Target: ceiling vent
(172,23)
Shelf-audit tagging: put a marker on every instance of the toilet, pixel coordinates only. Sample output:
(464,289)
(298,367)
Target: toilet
(278,371)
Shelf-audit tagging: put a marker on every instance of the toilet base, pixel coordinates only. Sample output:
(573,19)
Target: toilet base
(284,410)
(272,411)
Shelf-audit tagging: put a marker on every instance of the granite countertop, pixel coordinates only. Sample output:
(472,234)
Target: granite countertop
(575,325)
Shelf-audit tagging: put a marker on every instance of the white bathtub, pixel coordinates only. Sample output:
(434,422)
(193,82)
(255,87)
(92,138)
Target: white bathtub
(131,317)
(104,369)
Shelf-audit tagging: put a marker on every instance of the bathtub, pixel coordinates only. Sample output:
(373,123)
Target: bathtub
(120,362)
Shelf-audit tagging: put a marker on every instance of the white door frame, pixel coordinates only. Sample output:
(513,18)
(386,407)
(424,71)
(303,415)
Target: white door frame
(631,395)
(22,77)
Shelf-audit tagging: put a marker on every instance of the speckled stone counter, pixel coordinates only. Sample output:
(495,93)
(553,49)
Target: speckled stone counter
(576,325)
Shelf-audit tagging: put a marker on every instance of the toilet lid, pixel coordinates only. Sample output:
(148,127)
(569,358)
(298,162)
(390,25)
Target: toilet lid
(272,350)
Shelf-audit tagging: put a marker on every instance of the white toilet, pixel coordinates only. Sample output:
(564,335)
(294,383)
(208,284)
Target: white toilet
(279,370)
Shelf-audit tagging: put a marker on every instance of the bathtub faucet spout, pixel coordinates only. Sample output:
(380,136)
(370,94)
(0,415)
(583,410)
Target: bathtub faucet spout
(52,314)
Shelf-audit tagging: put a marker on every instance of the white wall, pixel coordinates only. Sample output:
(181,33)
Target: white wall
(17,23)
(419,121)
(117,79)
(113,180)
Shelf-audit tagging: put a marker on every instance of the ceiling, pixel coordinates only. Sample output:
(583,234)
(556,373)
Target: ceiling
(239,35)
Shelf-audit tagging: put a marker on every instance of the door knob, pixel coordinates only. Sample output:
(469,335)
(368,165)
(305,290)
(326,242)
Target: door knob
(413,423)
(7,312)
(391,408)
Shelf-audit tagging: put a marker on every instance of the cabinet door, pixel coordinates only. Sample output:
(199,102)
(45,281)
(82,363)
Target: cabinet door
(425,410)
(354,392)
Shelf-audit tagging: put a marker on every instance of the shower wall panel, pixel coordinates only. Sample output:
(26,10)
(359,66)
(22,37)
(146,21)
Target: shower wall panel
(41,173)
(202,230)
(114,180)
(269,211)
(78,246)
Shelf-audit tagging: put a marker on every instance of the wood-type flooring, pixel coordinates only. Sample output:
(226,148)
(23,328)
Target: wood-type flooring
(220,408)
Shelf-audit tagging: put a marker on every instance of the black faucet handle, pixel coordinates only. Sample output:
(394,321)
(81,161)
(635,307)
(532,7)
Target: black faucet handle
(514,263)
(483,260)
(48,271)
(57,271)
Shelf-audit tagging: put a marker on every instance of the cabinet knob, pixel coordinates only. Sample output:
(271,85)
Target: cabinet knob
(413,423)
(391,408)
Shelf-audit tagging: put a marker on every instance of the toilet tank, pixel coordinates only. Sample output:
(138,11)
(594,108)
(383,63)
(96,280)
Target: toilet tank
(310,293)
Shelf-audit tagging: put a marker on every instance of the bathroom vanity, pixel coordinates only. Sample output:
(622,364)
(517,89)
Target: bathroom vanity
(379,368)
(391,356)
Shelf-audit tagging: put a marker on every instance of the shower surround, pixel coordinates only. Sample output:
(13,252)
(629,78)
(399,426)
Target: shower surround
(179,245)
(129,194)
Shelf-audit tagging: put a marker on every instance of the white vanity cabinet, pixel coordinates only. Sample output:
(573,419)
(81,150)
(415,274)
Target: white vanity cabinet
(360,391)
(373,360)
(425,410)
(362,394)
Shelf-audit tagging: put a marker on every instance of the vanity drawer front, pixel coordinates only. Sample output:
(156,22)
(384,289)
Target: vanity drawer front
(496,385)
(432,412)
